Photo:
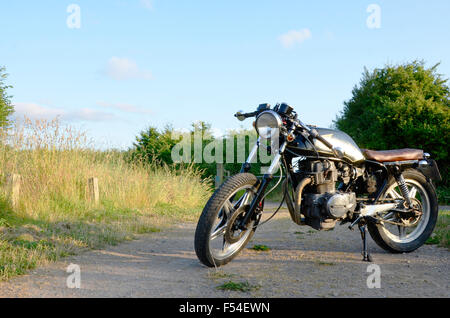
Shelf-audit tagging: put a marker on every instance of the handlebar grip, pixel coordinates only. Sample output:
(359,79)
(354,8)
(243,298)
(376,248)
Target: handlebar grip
(247,115)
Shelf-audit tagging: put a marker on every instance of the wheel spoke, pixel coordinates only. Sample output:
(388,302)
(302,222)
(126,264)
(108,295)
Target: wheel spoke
(389,216)
(394,194)
(220,230)
(401,231)
(244,199)
(412,192)
(228,209)
(225,246)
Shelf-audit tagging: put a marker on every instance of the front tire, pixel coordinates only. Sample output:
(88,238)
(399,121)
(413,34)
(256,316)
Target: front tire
(424,195)
(212,236)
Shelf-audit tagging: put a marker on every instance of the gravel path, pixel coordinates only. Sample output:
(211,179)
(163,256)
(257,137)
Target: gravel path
(306,264)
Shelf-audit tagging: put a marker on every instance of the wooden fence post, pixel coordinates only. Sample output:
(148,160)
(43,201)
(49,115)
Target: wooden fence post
(219,175)
(14,188)
(93,193)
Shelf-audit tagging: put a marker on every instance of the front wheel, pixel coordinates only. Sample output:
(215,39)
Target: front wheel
(401,232)
(217,237)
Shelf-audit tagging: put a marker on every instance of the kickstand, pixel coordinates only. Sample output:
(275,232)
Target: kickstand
(365,253)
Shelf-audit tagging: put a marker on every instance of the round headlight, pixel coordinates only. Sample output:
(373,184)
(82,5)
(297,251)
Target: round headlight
(268,124)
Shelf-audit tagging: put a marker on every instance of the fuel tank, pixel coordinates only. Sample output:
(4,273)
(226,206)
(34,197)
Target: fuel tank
(337,138)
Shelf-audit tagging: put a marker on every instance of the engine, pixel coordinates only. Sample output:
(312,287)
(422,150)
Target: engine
(322,204)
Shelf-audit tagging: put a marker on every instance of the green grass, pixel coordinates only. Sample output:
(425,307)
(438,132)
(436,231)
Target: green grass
(54,217)
(28,243)
(239,286)
(441,234)
(443,193)
(260,248)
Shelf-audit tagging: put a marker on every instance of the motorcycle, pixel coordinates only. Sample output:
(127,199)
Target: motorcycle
(328,179)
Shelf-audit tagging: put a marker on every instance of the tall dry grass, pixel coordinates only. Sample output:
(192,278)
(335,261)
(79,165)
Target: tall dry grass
(55,163)
(53,216)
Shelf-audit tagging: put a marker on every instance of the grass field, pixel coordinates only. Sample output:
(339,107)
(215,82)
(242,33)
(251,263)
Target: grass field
(441,234)
(53,217)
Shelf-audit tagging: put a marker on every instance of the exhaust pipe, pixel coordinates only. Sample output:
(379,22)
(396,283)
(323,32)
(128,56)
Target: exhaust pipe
(294,207)
(299,192)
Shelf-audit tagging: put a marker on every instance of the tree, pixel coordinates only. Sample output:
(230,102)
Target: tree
(403,106)
(6,109)
(153,145)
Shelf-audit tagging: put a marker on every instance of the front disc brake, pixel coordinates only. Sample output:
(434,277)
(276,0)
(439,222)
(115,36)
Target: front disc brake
(232,233)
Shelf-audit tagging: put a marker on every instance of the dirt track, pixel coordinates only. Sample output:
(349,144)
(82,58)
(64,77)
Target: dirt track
(311,264)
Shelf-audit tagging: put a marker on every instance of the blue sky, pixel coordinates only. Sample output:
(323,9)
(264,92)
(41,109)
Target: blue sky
(137,63)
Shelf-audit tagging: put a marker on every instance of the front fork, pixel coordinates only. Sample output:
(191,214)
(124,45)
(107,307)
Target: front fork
(268,176)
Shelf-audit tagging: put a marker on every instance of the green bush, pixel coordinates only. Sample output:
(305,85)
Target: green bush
(153,145)
(6,109)
(403,106)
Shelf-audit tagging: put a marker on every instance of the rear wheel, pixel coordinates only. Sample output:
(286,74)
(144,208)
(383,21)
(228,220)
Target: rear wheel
(217,238)
(405,232)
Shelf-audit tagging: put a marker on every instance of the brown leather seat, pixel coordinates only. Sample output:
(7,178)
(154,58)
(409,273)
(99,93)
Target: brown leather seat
(393,155)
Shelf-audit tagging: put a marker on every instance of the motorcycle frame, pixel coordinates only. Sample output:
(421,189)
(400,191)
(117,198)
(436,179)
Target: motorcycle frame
(367,207)
(391,169)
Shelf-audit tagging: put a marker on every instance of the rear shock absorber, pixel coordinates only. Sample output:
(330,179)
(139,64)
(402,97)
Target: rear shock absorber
(403,188)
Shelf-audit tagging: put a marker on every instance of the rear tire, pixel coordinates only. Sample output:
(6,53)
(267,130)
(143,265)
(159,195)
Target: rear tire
(213,212)
(404,244)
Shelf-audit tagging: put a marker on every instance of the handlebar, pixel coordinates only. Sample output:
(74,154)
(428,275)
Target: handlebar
(315,134)
(298,123)
(242,116)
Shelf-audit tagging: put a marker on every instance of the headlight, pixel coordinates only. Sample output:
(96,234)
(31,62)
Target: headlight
(268,124)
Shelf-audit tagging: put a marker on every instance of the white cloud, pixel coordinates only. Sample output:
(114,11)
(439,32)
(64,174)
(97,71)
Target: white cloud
(128,108)
(147,4)
(294,37)
(88,114)
(36,111)
(121,69)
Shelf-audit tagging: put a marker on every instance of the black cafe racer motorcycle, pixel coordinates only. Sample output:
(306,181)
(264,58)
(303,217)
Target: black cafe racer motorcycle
(328,179)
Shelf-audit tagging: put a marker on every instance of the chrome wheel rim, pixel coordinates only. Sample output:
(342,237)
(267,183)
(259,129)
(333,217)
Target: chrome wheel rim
(406,234)
(218,246)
